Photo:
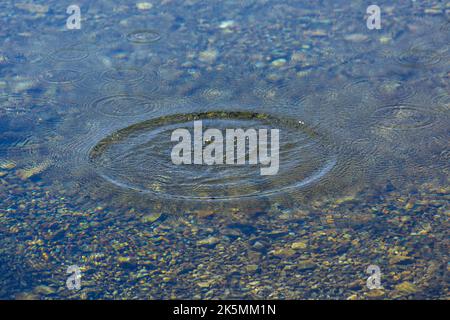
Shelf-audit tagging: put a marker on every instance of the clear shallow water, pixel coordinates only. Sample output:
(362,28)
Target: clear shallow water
(86,175)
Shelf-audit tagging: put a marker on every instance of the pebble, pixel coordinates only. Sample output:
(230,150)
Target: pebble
(26,296)
(279,62)
(150,218)
(227,24)
(32,8)
(259,246)
(204,213)
(406,288)
(356,37)
(299,245)
(144,5)
(306,265)
(375,294)
(44,290)
(208,56)
(123,259)
(433,11)
(316,33)
(3,59)
(252,267)
(399,259)
(23,85)
(385,39)
(204,284)
(208,241)
(27,173)
(344,199)
(283,252)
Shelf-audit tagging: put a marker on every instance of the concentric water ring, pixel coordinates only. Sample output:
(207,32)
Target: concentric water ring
(383,89)
(123,105)
(12,104)
(403,117)
(445,28)
(279,93)
(442,101)
(143,36)
(61,76)
(10,58)
(124,74)
(22,50)
(126,79)
(418,57)
(362,45)
(74,52)
(104,35)
(388,90)
(138,158)
(215,94)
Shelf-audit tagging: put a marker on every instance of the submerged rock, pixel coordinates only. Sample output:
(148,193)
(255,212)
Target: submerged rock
(300,245)
(211,241)
(375,294)
(356,37)
(400,259)
(283,252)
(7,165)
(150,218)
(27,173)
(26,296)
(306,265)
(44,290)
(144,5)
(406,288)
(32,8)
(226,24)
(208,56)
(278,62)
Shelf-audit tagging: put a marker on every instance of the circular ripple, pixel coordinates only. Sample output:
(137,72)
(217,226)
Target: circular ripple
(143,36)
(10,58)
(388,89)
(216,94)
(445,28)
(76,52)
(138,158)
(278,93)
(360,44)
(403,117)
(61,76)
(383,89)
(124,75)
(418,57)
(442,101)
(123,105)
(12,104)
(22,50)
